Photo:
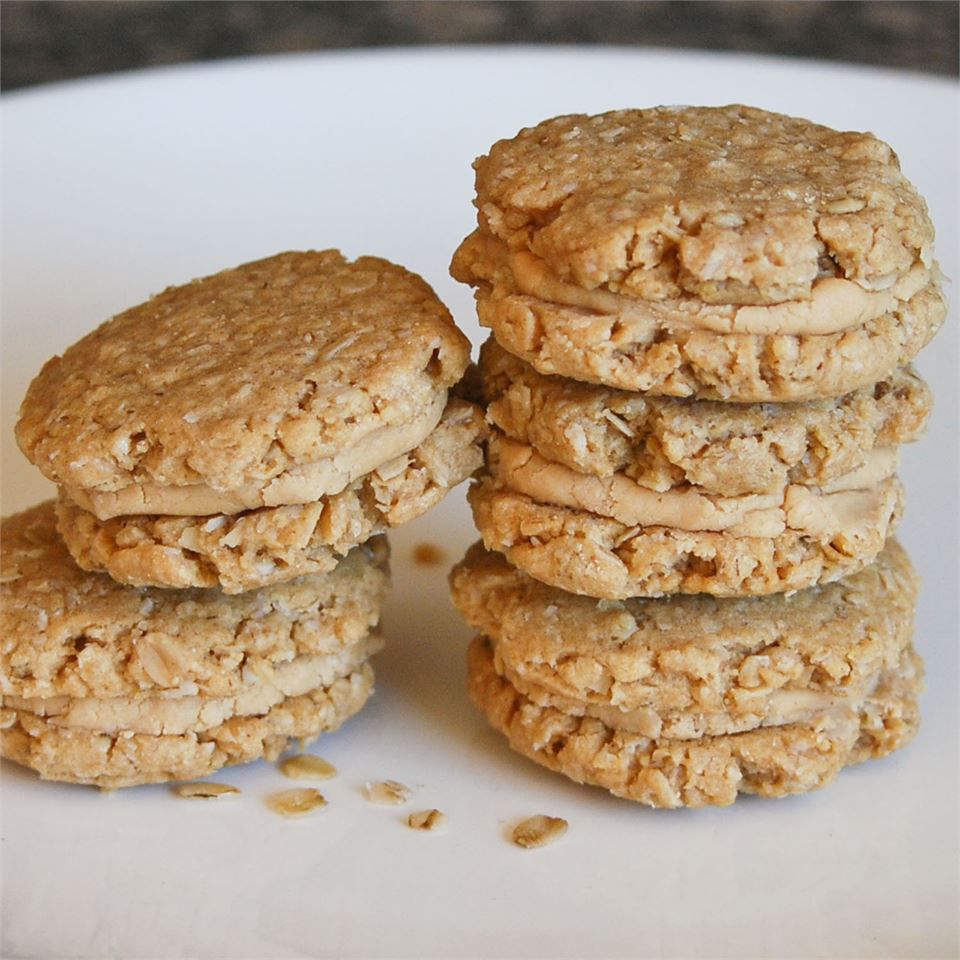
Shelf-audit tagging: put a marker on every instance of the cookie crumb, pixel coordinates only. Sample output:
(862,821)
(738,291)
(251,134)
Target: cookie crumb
(427,820)
(387,793)
(297,802)
(428,555)
(539,831)
(205,791)
(306,766)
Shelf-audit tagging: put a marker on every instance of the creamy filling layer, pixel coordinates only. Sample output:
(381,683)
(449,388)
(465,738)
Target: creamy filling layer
(181,710)
(776,707)
(301,484)
(849,501)
(835,304)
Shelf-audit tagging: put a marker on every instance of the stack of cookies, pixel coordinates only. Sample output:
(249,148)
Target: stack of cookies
(208,583)
(697,385)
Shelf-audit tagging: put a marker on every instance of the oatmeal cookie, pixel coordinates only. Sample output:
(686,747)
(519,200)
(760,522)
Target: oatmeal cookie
(770,761)
(277,382)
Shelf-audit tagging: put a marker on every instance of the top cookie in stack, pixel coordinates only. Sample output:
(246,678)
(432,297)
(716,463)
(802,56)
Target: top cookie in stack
(255,425)
(722,253)
(702,319)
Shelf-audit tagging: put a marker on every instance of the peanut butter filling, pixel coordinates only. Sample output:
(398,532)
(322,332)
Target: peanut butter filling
(777,707)
(181,710)
(302,484)
(853,500)
(835,304)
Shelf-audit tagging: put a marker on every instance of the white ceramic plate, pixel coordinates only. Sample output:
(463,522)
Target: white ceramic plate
(115,188)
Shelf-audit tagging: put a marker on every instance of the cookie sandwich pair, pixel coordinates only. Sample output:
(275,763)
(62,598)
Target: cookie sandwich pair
(208,584)
(697,385)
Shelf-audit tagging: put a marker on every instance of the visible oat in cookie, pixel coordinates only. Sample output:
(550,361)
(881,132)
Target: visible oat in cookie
(77,634)
(612,538)
(727,449)
(663,359)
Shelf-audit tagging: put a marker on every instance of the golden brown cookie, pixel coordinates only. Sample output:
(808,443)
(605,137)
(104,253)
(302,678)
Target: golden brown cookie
(244,551)
(111,685)
(722,204)
(770,761)
(723,448)
(613,537)
(691,666)
(825,346)
(277,382)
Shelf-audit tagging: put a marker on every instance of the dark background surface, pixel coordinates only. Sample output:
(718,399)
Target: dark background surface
(48,40)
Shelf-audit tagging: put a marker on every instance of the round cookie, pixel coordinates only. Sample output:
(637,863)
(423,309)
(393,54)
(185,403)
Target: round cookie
(277,382)
(770,762)
(612,537)
(725,449)
(112,685)
(728,205)
(790,351)
(692,666)
(245,551)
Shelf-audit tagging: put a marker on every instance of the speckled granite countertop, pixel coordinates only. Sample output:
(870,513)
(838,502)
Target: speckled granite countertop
(48,40)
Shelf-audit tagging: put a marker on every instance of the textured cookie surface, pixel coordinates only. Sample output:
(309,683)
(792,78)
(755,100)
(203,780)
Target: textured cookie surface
(771,761)
(692,662)
(656,350)
(66,632)
(122,759)
(727,449)
(728,204)
(245,381)
(244,551)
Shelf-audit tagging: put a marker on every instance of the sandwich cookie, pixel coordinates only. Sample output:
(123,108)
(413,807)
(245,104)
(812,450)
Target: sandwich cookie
(724,253)
(686,667)
(712,771)
(242,551)
(278,384)
(615,494)
(114,686)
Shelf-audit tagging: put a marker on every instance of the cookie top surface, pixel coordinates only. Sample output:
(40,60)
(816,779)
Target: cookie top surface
(245,376)
(66,632)
(730,204)
(724,448)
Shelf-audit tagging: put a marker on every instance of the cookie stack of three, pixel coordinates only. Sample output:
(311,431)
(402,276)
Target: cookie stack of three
(697,384)
(208,585)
